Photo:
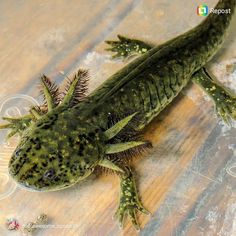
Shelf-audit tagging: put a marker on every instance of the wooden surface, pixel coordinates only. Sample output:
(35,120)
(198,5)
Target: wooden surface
(187,180)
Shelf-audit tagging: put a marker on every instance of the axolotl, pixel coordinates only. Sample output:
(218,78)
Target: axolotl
(71,135)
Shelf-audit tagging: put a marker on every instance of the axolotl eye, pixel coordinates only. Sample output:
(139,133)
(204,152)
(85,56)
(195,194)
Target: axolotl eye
(17,152)
(49,174)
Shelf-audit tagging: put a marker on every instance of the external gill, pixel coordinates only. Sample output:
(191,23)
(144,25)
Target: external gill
(74,92)
(17,125)
(119,147)
(115,130)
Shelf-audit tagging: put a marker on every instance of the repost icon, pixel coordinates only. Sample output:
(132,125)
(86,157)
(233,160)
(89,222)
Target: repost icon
(202,10)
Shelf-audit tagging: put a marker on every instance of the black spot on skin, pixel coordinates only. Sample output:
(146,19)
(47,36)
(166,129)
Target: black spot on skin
(44,164)
(103,129)
(82,137)
(60,155)
(81,169)
(34,140)
(29,176)
(60,158)
(74,168)
(81,147)
(57,179)
(46,126)
(17,166)
(91,135)
(80,153)
(40,180)
(37,146)
(28,149)
(23,177)
(71,142)
(70,139)
(51,158)
(34,167)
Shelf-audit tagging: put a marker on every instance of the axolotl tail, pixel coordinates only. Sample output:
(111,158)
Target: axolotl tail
(149,83)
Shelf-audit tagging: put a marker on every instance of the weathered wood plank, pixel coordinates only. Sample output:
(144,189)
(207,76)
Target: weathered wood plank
(186,181)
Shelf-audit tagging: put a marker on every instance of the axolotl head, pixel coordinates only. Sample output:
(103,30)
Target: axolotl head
(56,152)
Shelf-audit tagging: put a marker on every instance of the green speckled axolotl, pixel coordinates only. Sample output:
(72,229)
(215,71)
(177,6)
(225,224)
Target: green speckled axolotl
(70,136)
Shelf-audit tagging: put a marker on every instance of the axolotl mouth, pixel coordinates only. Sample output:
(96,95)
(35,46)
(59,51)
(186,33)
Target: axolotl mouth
(48,182)
(45,173)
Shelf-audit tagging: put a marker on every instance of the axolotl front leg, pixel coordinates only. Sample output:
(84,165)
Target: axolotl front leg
(129,199)
(125,47)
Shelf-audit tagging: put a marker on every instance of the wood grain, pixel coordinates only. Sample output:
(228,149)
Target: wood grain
(187,180)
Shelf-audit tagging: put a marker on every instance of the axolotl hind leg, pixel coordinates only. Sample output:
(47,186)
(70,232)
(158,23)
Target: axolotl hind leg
(225,101)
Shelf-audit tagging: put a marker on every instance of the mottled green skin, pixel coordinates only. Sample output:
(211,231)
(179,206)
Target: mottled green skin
(65,145)
(71,140)
(56,142)
(152,81)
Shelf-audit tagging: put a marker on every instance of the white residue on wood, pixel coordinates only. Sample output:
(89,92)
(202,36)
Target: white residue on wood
(229,225)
